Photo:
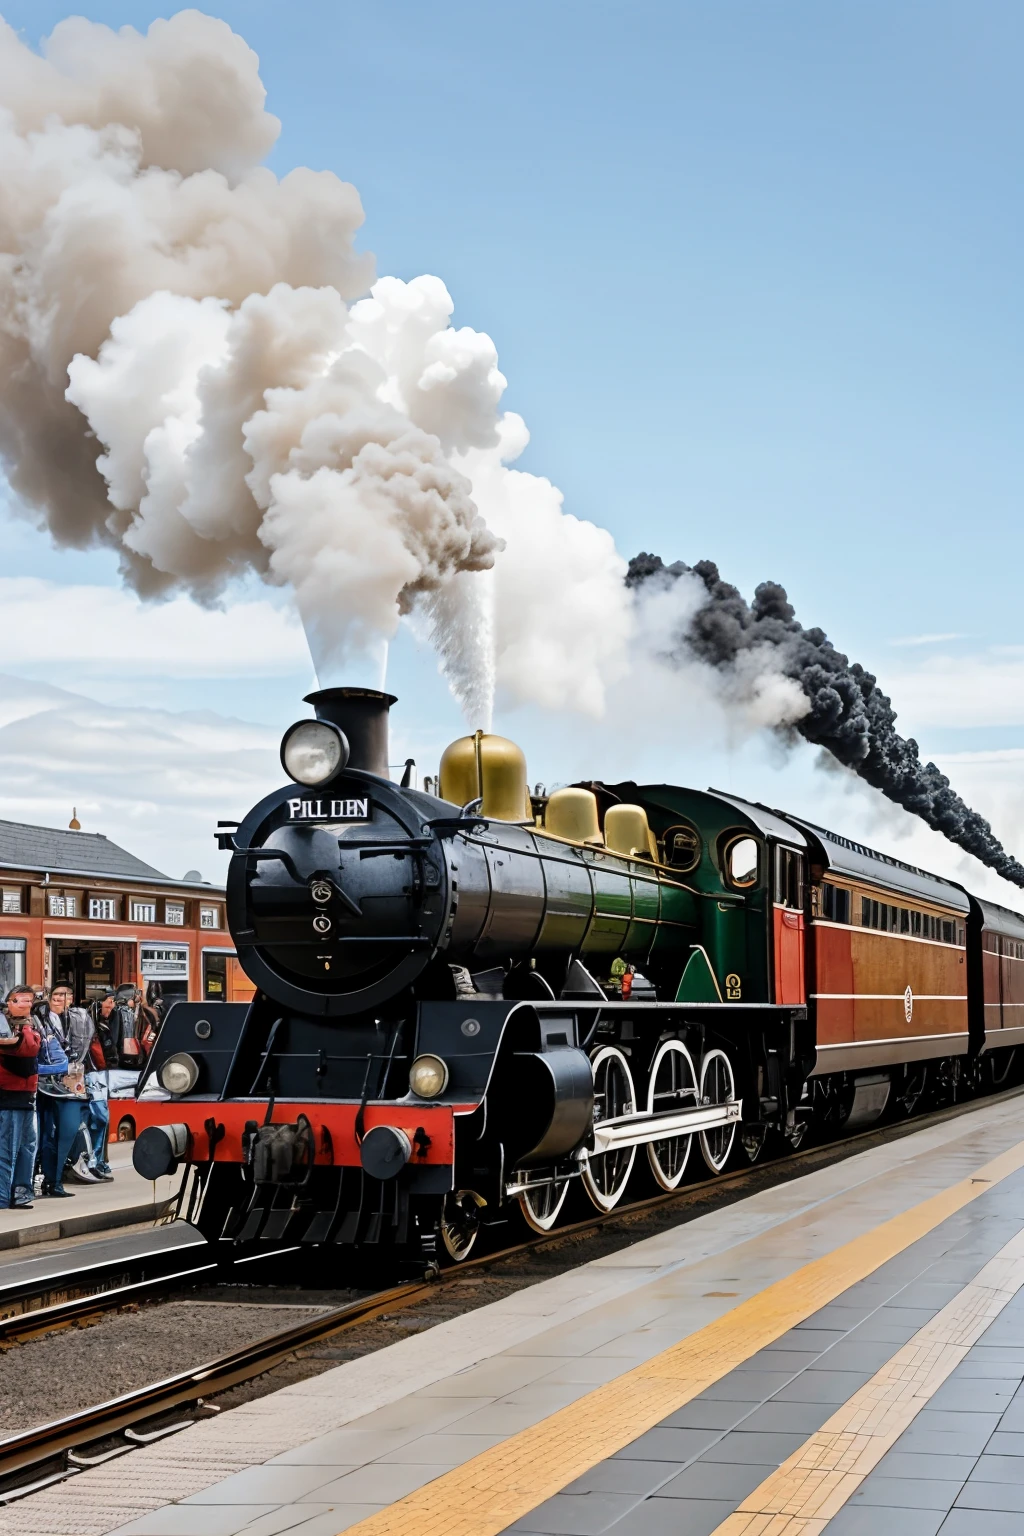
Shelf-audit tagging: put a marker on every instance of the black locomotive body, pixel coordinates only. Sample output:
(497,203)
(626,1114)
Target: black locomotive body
(469,1004)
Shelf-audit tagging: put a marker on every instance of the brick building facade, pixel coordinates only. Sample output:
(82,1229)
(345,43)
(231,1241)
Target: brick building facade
(76,907)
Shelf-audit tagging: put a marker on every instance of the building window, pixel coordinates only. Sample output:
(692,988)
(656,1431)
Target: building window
(63,906)
(174,914)
(12,964)
(209,917)
(12,898)
(103,908)
(215,978)
(167,964)
(143,911)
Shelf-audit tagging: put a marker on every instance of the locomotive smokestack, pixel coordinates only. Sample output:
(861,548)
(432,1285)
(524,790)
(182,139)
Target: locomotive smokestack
(362,713)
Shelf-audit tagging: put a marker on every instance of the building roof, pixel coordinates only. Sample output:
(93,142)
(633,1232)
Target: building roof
(57,851)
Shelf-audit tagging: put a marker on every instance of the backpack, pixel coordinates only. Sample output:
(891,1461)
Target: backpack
(53,1058)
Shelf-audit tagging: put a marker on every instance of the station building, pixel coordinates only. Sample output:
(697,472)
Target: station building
(78,908)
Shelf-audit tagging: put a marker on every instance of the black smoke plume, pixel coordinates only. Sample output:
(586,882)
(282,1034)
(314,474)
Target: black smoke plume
(849,715)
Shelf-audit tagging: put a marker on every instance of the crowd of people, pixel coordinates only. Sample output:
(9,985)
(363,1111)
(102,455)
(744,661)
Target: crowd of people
(60,1063)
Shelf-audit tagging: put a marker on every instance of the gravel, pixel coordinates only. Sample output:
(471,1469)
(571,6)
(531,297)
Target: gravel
(81,1365)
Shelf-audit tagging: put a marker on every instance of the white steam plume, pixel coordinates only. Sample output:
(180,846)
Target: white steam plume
(164,296)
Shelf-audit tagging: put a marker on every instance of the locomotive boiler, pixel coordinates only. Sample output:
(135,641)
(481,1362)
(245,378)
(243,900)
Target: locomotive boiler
(472,1003)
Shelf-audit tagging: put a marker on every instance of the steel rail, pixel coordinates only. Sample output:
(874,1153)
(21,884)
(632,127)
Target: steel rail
(22,1325)
(35,1447)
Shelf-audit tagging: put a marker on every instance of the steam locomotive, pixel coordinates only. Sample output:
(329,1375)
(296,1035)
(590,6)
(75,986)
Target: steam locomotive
(473,1003)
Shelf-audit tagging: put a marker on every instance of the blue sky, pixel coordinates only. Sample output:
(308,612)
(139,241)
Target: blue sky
(753,272)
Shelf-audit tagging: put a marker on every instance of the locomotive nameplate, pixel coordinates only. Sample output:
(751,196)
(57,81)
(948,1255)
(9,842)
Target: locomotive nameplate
(328,810)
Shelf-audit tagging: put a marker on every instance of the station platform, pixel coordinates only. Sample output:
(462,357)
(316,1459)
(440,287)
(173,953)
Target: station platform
(842,1353)
(125,1201)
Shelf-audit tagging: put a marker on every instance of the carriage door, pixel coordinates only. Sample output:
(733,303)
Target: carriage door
(788,919)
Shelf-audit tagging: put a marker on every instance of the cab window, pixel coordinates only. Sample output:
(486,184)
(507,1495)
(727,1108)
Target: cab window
(741,862)
(789,879)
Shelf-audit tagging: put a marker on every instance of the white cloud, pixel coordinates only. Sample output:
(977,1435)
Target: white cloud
(84,631)
(926,639)
(154,781)
(986,689)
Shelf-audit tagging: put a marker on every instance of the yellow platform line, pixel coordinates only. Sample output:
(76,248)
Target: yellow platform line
(496,1488)
(815,1482)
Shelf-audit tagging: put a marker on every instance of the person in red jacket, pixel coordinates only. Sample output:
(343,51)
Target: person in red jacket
(19,1048)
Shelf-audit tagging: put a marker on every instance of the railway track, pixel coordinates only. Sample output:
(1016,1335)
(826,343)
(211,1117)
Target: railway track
(51,1452)
(37,1306)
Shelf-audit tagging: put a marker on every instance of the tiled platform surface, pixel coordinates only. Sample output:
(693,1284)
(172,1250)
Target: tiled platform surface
(958,1468)
(124,1201)
(319,1457)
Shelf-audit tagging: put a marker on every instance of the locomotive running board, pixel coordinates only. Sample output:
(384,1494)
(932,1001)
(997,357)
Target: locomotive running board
(637,1130)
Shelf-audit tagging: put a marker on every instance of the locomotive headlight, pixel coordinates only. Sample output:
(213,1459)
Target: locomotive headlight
(179,1074)
(428,1076)
(313,751)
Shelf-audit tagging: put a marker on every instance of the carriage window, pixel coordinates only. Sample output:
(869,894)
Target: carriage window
(741,862)
(682,848)
(835,903)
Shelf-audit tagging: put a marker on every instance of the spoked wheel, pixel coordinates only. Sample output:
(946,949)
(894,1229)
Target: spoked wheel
(606,1174)
(717,1086)
(673,1087)
(460,1223)
(541,1206)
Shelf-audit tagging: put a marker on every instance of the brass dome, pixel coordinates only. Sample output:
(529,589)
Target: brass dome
(490,767)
